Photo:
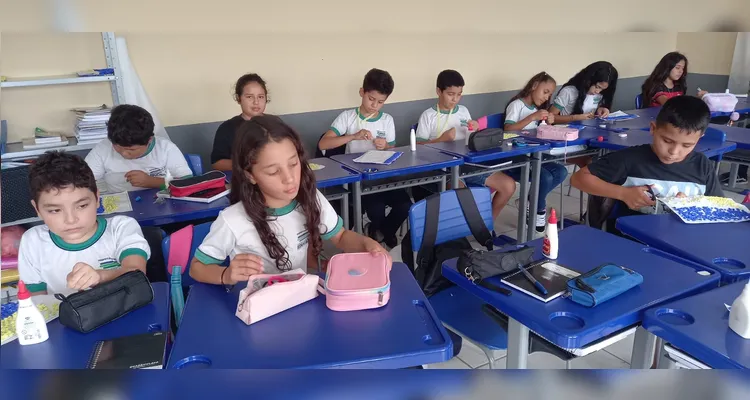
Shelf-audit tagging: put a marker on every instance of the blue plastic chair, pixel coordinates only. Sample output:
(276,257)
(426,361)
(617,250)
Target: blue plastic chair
(715,134)
(180,281)
(459,310)
(195,163)
(638,101)
(495,120)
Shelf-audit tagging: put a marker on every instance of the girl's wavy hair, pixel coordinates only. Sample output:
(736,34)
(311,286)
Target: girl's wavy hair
(252,137)
(538,78)
(660,73)
(600,71)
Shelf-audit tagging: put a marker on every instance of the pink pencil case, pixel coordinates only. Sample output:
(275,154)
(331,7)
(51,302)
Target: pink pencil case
(720,102)
(267,295)
(9,263)
(551,132)
(357,281)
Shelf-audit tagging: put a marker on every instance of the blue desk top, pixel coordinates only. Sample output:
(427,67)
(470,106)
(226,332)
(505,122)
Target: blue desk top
(68,349)
(570,325)
(147,213)
(741,136)
(699,325)
(411,162)
(404,333)
(645,116)
(333,173)
(459,149)
(722,247)
(709,147)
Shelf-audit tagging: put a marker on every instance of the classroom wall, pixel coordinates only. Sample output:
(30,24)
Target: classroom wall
(312,77)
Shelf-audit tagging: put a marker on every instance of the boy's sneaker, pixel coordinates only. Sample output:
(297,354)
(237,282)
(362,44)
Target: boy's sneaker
(724,178)
(541,221)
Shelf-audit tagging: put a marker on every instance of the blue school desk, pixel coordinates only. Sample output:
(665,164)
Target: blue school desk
(404,333)
(699,326)
(612,141)
(741,136)
(68,349)
(330,179)
(573,326)
(645,116)
(148,213)
(489,157)
(722,247)
(381,178)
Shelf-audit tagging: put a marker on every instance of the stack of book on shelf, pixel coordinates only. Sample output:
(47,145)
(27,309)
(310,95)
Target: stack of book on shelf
(91,124)
(45,140)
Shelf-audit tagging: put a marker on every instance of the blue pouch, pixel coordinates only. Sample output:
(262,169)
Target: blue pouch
(602,283)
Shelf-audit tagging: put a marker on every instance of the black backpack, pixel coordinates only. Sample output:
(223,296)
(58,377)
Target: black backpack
(428,271)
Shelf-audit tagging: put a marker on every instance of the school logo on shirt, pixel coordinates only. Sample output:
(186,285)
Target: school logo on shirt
(302,238)
(157,172)
(108,263)
(464,122)
(381,134)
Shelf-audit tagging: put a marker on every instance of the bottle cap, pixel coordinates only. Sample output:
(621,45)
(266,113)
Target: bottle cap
(552,216)
(23,292)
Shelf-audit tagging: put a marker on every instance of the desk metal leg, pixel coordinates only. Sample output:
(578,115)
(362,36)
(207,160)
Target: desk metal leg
(518,345)
(523,194)
(443,184)
(644,347)
(345,210)
(454,177)
(536,167)
(734,169)
(357,197)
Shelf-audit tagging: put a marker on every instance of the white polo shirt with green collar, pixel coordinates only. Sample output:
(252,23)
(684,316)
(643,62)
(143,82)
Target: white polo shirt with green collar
(350,122)
(234,233)
(433,124)
(45,260)
(517,110)
(109,167)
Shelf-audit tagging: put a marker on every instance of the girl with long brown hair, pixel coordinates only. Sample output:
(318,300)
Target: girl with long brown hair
(276,212)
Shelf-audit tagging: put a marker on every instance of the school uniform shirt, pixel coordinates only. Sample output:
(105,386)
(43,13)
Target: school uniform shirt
(224,139)
(639,166)
(45,260)
(517,110)
(432,123)
(566,101)
(352,121)
(109,167)
(663,90)
(234,233)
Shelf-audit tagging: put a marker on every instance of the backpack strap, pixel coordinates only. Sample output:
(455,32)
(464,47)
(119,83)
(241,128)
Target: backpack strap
(432,215)
(474,218)
(180,243)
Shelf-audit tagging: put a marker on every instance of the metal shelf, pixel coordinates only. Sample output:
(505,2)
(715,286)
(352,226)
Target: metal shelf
(15,151)
(54,80)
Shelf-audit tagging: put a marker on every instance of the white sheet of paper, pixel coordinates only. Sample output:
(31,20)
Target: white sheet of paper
(616,114)
(375,157)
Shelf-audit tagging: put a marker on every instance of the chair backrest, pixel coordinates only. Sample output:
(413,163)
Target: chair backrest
(638,101)
(330,152)
(495,120)
(195,163)
(452,223)
(715,134)
(199,233)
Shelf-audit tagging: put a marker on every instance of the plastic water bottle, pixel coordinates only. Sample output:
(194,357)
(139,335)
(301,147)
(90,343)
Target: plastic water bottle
(739,317)
(31,327)
(413,140)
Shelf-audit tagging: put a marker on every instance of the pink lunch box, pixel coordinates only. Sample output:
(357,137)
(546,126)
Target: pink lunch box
(551,132)
(357,281)
(720,102)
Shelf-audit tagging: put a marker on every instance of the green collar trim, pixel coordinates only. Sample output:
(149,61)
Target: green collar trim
(365,119)
(100,228)
(455,110)
(151,145)
(277,212)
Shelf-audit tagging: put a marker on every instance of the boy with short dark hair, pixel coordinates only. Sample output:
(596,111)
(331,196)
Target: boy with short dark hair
(133,157)
(367,128)
(74,249)
(668,166)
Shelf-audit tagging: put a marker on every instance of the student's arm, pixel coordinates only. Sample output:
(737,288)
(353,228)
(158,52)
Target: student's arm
(447,136)
(332,140)
(661,99)
(565,97)
(141,179)
(95,159)
(221,153)
(131,246)
(635,196)
(515,126)
(223,165)
(29,269)
(176,163)
(425,127)
(564,119)
(332,228)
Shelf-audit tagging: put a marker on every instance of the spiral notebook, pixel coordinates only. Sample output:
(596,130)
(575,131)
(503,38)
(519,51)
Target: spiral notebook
(144,351)
(554,277)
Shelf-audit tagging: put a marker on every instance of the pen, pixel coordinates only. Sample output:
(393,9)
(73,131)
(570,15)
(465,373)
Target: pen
(533,280)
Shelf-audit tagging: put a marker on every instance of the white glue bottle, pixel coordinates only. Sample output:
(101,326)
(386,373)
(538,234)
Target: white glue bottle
(550,245)
(739,317)
(31,327)
(413,140)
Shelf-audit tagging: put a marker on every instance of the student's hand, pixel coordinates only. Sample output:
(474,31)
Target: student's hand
(473,125)
(138,178)
(636,198)
(380,143)
(375,248)
(551,118)
(242,267)
(680,195)
(363,134)
(602,112)
(540,115)
(702,93)
(449,135)
(83,276)
(583,117)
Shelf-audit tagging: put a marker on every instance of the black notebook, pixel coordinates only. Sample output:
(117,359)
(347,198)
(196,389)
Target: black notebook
(145,351)
(553,276)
